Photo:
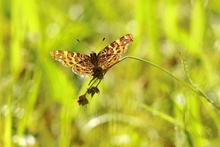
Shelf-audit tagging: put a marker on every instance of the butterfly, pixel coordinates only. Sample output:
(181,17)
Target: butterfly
(94,64)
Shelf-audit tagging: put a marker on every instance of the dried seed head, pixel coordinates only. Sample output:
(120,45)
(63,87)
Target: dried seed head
(82,100)
(92,91)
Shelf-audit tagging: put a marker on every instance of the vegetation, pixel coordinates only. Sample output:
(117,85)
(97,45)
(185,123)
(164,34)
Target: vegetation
(165,92)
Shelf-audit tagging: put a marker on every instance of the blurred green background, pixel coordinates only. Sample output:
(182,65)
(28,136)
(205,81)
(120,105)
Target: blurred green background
(138,104)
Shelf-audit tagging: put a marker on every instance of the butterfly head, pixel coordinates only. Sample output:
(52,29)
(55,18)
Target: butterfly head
(94,59)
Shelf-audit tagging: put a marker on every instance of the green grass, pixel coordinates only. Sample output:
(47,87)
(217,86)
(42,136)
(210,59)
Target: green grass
(154,97)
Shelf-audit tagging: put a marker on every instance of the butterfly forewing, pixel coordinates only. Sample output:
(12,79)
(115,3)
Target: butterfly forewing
(80,63)
(112,53)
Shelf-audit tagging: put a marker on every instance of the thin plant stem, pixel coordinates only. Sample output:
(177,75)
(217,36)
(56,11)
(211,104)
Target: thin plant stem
(192,87)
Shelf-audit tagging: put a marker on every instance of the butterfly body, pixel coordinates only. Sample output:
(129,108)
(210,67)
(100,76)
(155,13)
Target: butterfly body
(94,64)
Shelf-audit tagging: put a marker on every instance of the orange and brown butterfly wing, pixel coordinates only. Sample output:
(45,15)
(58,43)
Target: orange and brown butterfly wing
(80,63)
(112,53)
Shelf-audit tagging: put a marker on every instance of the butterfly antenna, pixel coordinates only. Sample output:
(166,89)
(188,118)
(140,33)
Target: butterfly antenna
(100,43)
(83,44)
